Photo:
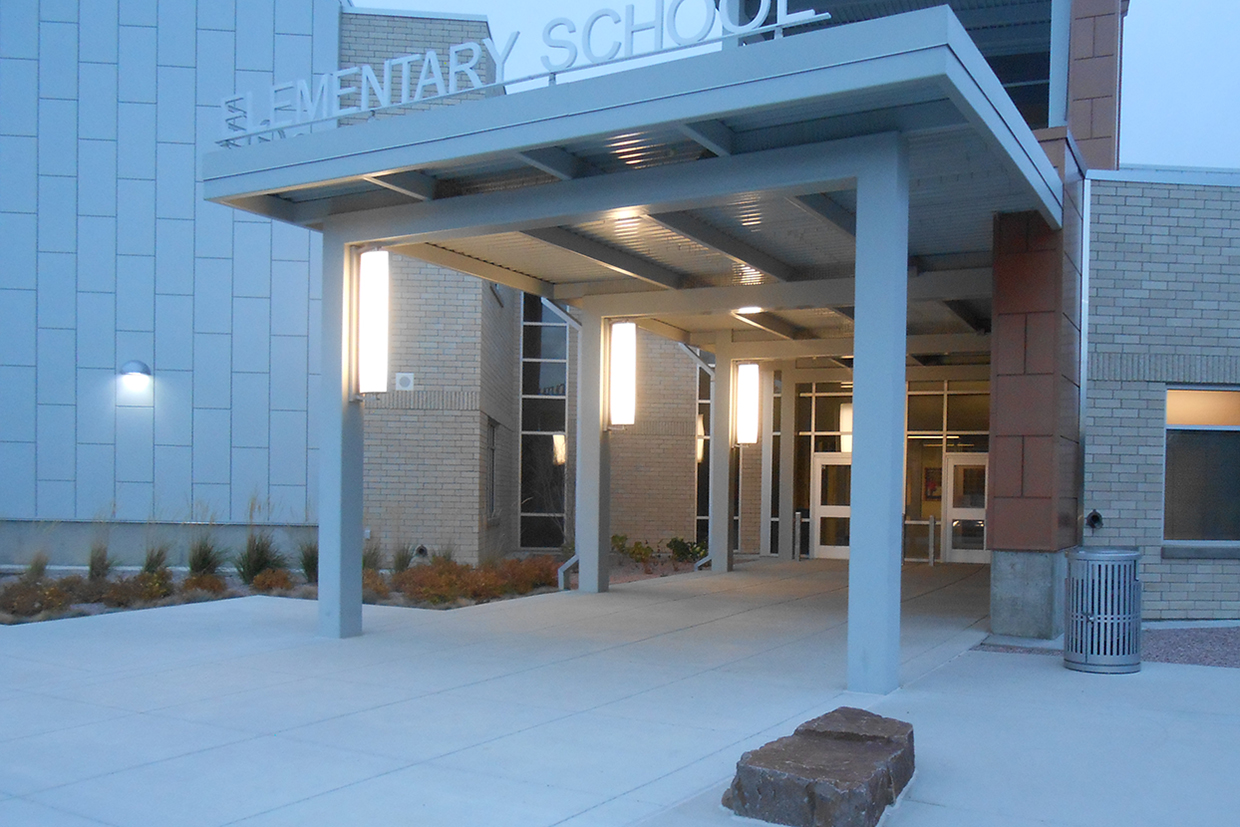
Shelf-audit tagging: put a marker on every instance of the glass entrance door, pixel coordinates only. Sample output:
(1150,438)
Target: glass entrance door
(964,508)
(831,493)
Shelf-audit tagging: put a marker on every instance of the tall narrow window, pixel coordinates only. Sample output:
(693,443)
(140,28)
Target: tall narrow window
(492,466)
(544,421)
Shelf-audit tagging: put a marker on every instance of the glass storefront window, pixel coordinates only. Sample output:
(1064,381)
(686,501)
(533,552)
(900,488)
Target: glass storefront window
(968,412)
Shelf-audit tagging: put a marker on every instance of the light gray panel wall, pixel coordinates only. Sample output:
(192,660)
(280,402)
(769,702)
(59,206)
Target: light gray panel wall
(109,254)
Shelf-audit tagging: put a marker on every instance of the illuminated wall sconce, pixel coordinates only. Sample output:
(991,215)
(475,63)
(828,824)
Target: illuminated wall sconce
(372,322)
(623,371)
(701,437)
(135,376)
(559,449)
(846,427)
(747,401)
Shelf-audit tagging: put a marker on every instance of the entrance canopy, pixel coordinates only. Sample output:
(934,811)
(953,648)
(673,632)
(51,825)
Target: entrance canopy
(829,195)
(735,169)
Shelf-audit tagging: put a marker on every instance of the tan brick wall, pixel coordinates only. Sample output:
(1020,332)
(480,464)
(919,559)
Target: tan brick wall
(370,39)
(653,463)
(500,401)
(1164,310)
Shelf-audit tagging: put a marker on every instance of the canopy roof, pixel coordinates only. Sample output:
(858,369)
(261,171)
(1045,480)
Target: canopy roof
(711,171)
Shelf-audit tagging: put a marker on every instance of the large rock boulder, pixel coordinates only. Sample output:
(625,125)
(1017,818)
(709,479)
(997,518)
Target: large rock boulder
(841,769)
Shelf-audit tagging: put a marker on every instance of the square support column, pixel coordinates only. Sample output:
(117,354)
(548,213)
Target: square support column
(788,518)
(879,347)
(719,519)
(340,453)
(592,518)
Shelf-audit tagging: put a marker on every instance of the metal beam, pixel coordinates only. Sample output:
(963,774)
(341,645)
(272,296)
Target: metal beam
(772,323)
(474,267)
(695,229)
(789,171)
(712,135)
(964,311)
(791,295)
(610,257)
(665,330)
(555,161)
(839,346)
(414,184)
(827,209)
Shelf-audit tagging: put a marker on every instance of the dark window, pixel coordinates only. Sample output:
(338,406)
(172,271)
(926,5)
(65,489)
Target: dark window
(542,415)
(1203,485)
(544,378)
(546,342)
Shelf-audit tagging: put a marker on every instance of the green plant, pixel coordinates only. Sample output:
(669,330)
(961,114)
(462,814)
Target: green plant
(154,585)
(641,552)
(372,556)
(402,558)
(685,552)
(156,559)
(36,568)
(260,554)
(205,557)
(308,552)
(100,564)
(620,543)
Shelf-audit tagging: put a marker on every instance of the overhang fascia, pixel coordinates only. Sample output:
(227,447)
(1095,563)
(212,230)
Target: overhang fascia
(911,54)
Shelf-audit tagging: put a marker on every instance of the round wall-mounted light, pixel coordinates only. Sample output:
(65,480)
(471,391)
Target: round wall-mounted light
(135,375)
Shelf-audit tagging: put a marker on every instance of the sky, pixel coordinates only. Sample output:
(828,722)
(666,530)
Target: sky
(1181,73)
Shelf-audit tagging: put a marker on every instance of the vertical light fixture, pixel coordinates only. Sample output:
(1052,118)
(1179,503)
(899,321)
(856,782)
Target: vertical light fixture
(372,322)
(747,401)
(623,372)
(846,427)
(701,437)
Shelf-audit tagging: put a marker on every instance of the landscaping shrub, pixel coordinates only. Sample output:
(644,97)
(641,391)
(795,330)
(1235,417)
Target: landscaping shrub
(123,593)
(37,567)
(372,556)
(374,587)
(272,580)
(100,564)
(402,558)
(260,554)
(156,559)
(204,582)
(685,552)
(439,581)
(484,583)
(524,574)
(205,557)
(83,590)
(154,585)
(26,598)
(309,553)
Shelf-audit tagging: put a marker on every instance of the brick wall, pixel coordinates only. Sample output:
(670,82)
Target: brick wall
(1096,45)
(370,39)
(500,402)
(1164,310)
(654,462)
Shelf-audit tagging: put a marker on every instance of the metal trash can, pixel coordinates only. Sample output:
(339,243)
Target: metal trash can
(1102,630)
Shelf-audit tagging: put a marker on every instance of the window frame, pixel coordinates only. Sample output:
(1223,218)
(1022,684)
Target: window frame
(1192,549)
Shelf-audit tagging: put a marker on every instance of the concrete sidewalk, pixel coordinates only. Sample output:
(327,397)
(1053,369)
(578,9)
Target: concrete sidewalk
(577,709)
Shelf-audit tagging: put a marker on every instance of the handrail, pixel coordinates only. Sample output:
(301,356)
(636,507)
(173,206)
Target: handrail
(562,572)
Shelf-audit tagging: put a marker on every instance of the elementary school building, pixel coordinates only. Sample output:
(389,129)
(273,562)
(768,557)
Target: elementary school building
(860,281)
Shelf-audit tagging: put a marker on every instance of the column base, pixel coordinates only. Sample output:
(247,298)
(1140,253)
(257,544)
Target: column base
(1027,593)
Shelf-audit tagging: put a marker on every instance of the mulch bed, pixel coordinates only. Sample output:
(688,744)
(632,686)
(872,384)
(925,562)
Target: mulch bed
(1210,646)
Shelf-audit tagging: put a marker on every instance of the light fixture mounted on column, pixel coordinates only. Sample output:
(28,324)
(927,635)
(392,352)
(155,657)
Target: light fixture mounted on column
(747,403)
(372,321)
(135,376)
(846,427)
(623,373)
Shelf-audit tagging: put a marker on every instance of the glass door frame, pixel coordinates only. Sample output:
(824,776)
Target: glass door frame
(817,511)
(951,513)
